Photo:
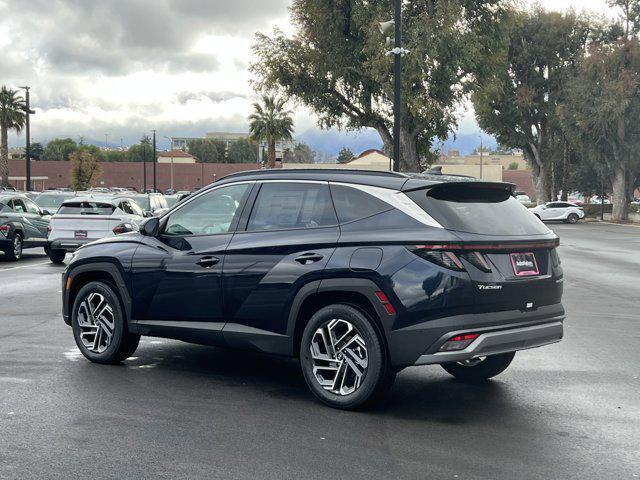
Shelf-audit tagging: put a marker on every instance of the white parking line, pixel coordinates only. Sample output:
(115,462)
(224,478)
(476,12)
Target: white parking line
(23,266)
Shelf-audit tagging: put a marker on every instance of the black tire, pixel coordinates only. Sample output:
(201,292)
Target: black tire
(56,256)
(123,344)
(573,218)
(14,252)
(488,368)
(378,377)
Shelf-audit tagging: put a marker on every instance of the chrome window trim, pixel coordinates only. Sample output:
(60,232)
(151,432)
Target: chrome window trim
(397,200)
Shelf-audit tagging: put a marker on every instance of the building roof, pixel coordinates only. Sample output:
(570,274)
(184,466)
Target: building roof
(368,152)
(175,154)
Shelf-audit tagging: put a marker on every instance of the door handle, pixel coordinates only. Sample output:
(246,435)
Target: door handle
(208,262)
(307,258)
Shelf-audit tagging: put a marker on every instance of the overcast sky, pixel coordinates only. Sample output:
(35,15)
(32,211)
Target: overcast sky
(123,67)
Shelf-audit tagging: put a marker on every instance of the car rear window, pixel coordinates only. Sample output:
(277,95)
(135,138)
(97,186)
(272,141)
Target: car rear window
(4,207)
(481,209)
(352,204)
(51,202)
(86,208)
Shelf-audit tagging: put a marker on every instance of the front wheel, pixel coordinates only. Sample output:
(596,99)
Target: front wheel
(56,256)
(480,369)
(343,358)
(99,326)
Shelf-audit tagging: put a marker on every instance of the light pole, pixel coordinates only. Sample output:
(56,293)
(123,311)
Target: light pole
(398,51)
(481,158)
(106,141)
(155,160)
(171,140)
(27,150)
(144,166)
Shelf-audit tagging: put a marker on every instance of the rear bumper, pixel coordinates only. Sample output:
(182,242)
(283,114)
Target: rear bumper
(505,331)
(69,244)
(500,341)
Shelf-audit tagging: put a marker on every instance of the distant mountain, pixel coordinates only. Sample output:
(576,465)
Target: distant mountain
(330,142)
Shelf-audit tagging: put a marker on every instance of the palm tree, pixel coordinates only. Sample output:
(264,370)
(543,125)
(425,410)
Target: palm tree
(271,122)
(12,117)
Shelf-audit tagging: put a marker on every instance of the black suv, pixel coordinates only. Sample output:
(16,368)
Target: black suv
(358,274)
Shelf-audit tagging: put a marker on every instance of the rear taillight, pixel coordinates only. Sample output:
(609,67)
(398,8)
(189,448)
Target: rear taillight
(4,230)
(443,258)
(48,230)
(459,342)
(123,228)
(478,260)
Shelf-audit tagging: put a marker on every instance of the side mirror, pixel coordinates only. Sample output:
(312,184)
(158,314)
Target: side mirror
(148,214)
(151,227)
(45,213)
(123,228)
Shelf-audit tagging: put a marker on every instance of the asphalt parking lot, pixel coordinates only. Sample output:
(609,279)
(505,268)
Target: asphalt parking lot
(570,410)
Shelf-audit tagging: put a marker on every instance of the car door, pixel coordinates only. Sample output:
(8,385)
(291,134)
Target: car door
(550,212)
(284,242)
(176,277)
(40,221)
(30,230)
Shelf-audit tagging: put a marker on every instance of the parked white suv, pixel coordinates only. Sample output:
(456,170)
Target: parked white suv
(82,220)
(567,212)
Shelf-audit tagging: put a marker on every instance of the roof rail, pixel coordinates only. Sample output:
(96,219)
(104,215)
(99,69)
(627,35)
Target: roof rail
(275,171)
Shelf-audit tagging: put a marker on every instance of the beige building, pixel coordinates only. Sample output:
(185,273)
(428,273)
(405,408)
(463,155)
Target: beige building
(376,160)
(176,156)
(454,158)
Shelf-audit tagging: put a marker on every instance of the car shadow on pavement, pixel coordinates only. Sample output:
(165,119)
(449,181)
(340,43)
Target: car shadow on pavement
(419,393)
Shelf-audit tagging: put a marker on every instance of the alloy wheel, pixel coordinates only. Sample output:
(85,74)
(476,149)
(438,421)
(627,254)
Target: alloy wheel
(339,357)
(17,246)
(97,322)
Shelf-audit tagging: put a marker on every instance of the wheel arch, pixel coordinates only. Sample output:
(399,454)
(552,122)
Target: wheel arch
(104,271)
(357,293)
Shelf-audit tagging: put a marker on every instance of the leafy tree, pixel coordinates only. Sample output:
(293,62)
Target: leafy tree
(345,155)
(301,153)
(208,150)
(142,152)
(12,117)
(242,151)
(36,151)
(59,149)
(518,102)
(114,156)
(513,166)
(604,107)
(85,169)
(336,64)
(270,122)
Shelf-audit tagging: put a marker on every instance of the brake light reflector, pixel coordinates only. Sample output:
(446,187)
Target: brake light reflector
(459,342)
(444,258)
(4,229)
(384,300)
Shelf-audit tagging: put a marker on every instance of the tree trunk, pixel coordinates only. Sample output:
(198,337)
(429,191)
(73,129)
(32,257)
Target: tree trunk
(409,158)
(4,156)
(272,154)
(565,172)
(540,175)
(620,193)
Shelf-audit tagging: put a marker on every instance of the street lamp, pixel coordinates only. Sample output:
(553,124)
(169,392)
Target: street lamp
(155,161)
(398,51)
(481,158)
(28,112)
(171,140)
(106,141)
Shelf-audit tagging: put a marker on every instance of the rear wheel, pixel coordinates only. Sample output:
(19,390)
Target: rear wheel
(99,326)
(573,218)
(343,358)
(56,256)
(479,369)
(14,252)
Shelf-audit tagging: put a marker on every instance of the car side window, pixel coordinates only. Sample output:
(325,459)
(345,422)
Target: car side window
(135,208)
(285,205)
(353,204)
(19,206)
(126,208)
(31,207)
(208,214)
